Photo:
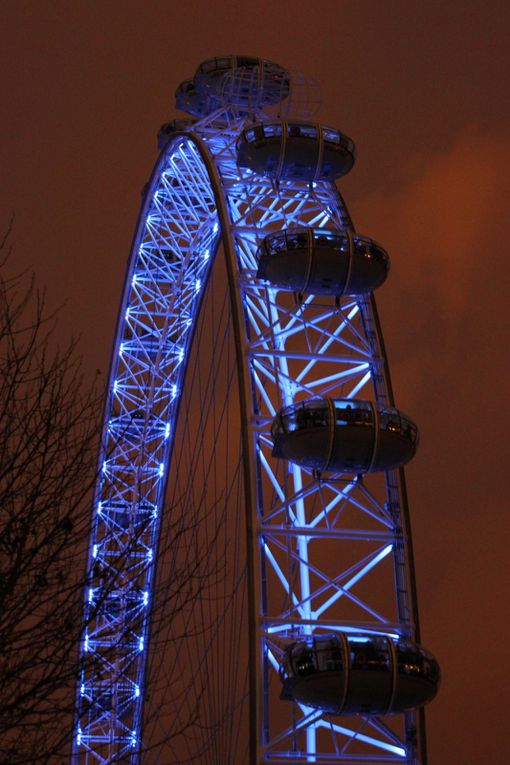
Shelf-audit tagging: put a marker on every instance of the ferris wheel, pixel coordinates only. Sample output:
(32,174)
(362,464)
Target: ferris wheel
(252,450)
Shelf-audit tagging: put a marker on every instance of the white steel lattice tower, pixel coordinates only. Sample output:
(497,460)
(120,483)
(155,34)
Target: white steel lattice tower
(335,670)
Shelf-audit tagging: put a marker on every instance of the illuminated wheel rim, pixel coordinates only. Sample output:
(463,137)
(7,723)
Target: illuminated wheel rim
(325,553)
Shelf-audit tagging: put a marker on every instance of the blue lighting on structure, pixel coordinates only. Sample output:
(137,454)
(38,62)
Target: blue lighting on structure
(169,268)
(398,750)
(356,578)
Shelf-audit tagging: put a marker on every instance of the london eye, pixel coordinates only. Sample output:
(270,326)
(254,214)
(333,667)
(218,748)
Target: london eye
(251,594)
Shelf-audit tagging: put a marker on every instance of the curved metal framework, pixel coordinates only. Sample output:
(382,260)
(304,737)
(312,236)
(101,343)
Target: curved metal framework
(327,552)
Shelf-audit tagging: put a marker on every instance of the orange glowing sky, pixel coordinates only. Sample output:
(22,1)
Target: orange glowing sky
(423,89)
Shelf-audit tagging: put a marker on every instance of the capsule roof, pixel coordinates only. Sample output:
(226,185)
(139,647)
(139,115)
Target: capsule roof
(244,83)
(189,99)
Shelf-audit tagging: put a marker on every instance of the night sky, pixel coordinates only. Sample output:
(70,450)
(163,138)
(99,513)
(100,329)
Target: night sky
(423,89)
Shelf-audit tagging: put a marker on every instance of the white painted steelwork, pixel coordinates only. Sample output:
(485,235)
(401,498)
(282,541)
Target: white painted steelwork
(326,552)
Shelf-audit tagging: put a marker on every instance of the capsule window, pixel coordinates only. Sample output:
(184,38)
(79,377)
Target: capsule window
(358,651)
(272,130)
(346,143)
(292,421)
(353,413)
(295,420)
(342,243)
(303,660)
(307,131)
(362,247)
(249,135)
(409,429)
(408,661)
(311,414)
(276,244)
(296,240)
(325,239)
(430,667)
(394,422)
(377,253)
(292,241)
(330,135)
(369,654)
(313,418)
(389,420)
(329,654)
(278,427)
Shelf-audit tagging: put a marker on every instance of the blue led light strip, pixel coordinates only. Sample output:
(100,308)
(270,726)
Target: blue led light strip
(171,257)
(302,346)
(292,347)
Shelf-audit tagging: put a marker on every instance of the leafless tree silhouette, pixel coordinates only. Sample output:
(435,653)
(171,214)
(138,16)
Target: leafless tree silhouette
(48,430)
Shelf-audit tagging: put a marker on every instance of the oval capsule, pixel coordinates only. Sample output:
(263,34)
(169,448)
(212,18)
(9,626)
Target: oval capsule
(344,435)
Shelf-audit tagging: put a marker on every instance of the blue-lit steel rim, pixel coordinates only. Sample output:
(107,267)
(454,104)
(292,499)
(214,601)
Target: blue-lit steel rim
(289,348)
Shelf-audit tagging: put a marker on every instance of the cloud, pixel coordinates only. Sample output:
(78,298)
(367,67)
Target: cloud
(446,231)
(444,314)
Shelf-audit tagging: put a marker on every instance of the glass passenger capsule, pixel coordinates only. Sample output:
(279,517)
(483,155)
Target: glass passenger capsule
(189,99)
(295,151)
(359,674)
(243,81)
(322,262)
(169,128)
(343,435)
